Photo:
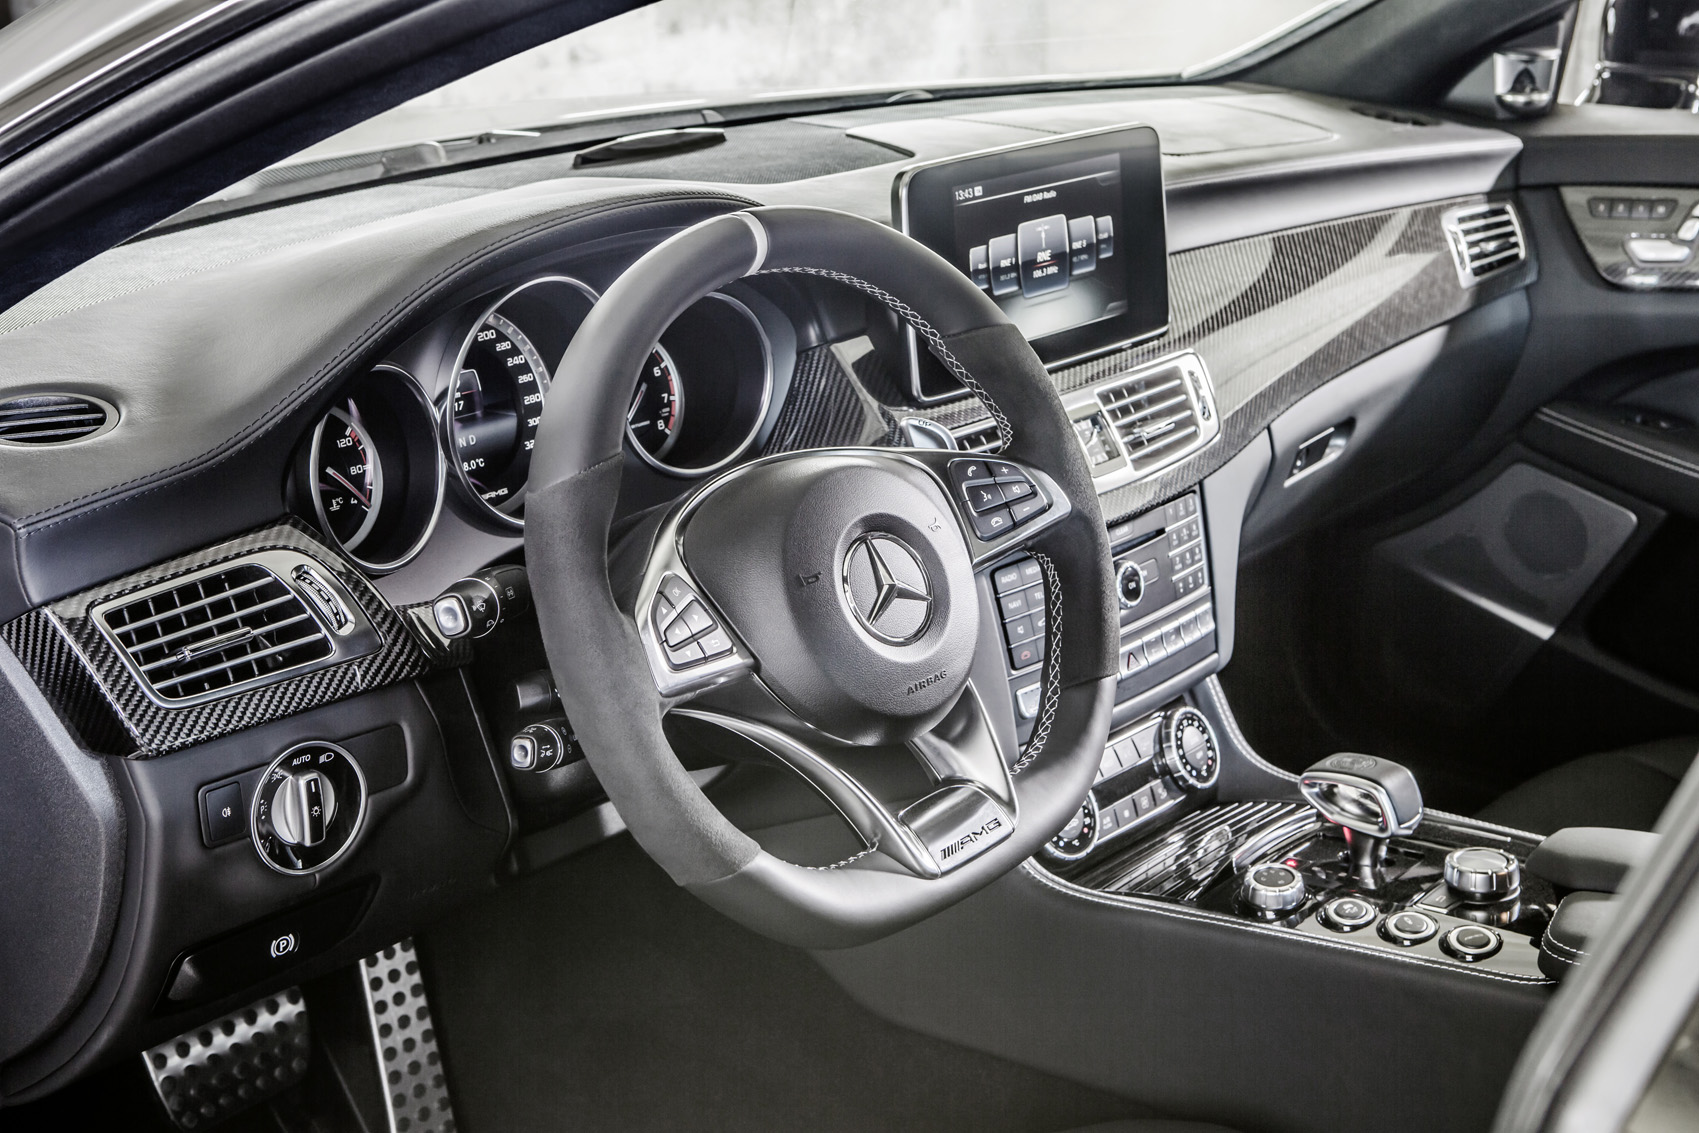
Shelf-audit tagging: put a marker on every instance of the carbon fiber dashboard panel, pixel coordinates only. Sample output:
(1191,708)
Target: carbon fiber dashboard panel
(1276,316)
(97,693)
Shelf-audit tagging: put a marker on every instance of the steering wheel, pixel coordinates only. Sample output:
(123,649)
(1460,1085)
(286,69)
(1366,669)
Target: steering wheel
(826,602)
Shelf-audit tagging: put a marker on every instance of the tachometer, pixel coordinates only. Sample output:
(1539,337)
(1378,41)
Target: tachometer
(349,476)
(496,406)
(658,405)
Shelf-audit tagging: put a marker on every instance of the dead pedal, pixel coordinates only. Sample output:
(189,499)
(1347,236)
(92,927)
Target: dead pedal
(415,1090)
(247,1057)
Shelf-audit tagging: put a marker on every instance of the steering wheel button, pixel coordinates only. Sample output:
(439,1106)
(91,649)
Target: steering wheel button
(1016,489)
(1030,571)
(1014,605)
(696,618)
(1003,470)
(715,643)
(992,524)
(1008,579)
(676,633)
(1024,510)
(983,496)
(685,656)
(1026,653)
(674,590)
(1019,630)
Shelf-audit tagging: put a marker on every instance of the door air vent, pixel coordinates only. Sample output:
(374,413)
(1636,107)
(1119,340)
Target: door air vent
(1484,239)
(53,419)
(218,631)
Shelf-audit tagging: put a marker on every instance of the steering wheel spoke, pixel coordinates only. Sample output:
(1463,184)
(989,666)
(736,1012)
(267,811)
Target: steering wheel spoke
(970,808)
(687,641)
(1000,505)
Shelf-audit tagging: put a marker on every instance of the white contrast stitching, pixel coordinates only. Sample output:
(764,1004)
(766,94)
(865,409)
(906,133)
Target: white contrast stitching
(926,330)
(852,859)
(1052,666)
(1131,904)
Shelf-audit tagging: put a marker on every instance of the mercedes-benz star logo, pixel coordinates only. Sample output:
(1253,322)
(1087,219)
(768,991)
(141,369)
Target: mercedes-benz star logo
(885,584)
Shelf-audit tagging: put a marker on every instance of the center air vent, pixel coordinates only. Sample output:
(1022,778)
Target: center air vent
(53,419)
(1484,239)
(1138,422)
(221,630)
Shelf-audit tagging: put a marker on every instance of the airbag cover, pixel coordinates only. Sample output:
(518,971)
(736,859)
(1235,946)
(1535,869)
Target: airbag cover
(850,581)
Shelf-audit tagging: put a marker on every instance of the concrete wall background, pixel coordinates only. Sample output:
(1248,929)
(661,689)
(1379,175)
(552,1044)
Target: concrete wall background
(681,46)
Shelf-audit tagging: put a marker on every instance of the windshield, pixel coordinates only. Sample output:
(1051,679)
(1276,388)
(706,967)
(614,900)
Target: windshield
(679,54)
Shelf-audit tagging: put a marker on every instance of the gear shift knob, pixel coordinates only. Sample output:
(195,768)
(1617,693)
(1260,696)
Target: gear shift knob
(1372,799)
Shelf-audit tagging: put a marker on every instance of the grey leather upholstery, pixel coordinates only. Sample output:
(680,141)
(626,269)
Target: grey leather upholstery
(1627,789)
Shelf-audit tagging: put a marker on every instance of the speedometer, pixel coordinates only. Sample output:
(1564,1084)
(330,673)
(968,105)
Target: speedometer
(349,476)
(494,410)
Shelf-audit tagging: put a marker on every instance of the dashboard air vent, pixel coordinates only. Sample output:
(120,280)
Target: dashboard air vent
(981,437)
(1399,117)
(1155,417)
(216,631)
(52,419)
(1484,239)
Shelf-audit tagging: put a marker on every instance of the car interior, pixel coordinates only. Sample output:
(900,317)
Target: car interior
(1099,600)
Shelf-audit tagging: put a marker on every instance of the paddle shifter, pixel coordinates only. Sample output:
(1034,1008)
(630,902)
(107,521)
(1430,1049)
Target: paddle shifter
(1371,800)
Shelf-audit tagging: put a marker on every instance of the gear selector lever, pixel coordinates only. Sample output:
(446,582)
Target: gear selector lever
(1371,799)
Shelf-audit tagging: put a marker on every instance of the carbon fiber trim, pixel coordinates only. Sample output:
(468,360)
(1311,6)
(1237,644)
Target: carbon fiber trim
(1276,316)
(825,407)
(68,656)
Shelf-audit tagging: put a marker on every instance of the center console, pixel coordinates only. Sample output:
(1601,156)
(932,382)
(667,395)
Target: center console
(1357,862)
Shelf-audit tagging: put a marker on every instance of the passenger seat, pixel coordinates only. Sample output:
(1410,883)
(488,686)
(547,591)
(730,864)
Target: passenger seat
(1627,789)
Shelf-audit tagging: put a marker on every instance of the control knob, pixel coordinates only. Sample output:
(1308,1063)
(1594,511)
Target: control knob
(1481,875)
(1189,756)
(1274,888)
(1129,585)
(308,807)
(1075,840)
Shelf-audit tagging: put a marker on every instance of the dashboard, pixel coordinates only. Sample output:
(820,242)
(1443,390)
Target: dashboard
(356,423)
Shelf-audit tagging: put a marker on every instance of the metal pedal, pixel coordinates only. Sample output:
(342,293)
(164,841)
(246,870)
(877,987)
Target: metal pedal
(415,1090)
(245,1058)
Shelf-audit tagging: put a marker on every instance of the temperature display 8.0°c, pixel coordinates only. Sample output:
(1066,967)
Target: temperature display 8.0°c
(494,411)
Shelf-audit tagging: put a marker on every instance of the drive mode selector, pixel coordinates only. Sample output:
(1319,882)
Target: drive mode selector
(308,807)
(1188,749)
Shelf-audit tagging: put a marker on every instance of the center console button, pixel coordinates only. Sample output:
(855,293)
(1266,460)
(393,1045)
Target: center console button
(1409,927)
(1347,914)
(1471,942)
(1274,888)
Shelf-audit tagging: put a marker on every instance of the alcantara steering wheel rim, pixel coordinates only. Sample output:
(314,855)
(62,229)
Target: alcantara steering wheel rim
(804,669)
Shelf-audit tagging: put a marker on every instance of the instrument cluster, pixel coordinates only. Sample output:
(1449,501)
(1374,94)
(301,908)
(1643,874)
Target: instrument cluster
(374,471)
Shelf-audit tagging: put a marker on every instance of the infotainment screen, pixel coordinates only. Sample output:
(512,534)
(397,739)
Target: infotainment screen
(1066,235)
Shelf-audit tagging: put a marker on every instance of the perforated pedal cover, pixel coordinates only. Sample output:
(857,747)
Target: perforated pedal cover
(245,1058)
(416,1092)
